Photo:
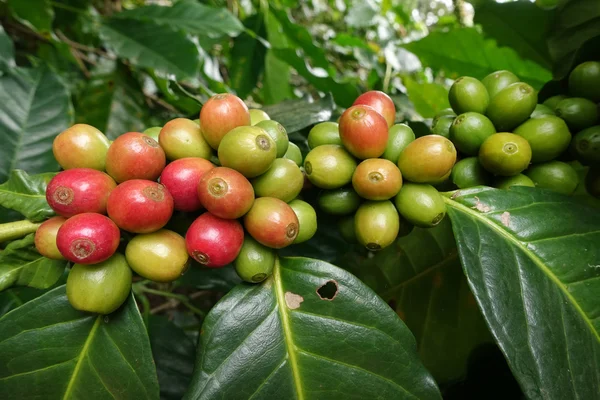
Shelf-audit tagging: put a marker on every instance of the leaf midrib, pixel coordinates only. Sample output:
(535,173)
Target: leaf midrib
(287,331)
(82,355)
(536,260)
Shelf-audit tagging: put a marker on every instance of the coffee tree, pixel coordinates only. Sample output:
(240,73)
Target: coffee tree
(273,200)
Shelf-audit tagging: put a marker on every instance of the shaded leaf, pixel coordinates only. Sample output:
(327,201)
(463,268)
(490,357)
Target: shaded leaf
(50,350)
(421,278)
(428,98)
(7,51)
(276,77)
(217,279)
(26,194)
(16,297)
(37,14)
(465,52)
(149,45)
(22,265)
(346,40)
(343,93)
(295,115)
(531,258)
(34,108)
(520,25)
(280,339)
(575,35)
(189,16)
(173,354)
(112,102)
(248,58)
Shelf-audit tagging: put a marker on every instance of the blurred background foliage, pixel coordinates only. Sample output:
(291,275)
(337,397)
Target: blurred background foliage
(131,64)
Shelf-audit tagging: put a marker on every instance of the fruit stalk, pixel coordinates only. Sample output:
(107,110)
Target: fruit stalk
(17,229)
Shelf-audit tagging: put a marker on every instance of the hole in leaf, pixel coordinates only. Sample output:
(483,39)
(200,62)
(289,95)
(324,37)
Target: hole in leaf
(328,291)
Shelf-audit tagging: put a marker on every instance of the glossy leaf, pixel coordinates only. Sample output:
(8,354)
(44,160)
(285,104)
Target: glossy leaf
(149,45)
(421,278)
(34,107)
(26,194)
(344,93)
(7,51)
(280,339)
(189,16)
(249,56)
(575,35)
(464,51)
(50,350)
(16,297)
(22,265)
(521,25)
(173,354)
(112,102)
(37,14)
(531,258)
(428,98)
(295,115)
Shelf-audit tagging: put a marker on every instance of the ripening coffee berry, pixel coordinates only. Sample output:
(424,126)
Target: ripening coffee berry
(225,193)
(380,102)
(181,138)
(79,190)
(364,132)
(220,114)
(81,146)
(214,242)
(181,178)
(272,222)
(140,206)
(88,238)
(134,155)
(45,238)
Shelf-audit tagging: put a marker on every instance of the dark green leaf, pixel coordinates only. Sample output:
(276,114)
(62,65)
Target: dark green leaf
(16,297)
(149,45)
(295,115)
(428,98)
(532,260)
(113,102)
(248,58)
(521,25)
(465,52)
(7,51)
(343,93)
(50,350)
(37,14)
(22,265)
(280,339)
(173,354)
(190,16)
(576,27)
(34,108)
(421,278)
(27,194)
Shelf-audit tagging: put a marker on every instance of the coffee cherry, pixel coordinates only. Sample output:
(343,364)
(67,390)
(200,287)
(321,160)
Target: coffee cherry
(272,222)
(134,155)
(88,238)
(181,138)
(307,220)
(364,132)
(81,146)
(160,256)
(214,242)
(45,238)
(380,102)
(181,178)
(140,206)
(248,149)
(99,288)
(255,262)
(225,193)
(79,190)
(220,114)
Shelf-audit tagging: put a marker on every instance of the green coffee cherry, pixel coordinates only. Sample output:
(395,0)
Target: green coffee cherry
(400,135)
(293,153)
(468,94)
(586,146)
(420,204)
(277,133)
(557,176)
(441,125)
(469,131)
(329,166)
(376,224)
(324,133)
(254,262)
(578,113)
(506,182)
(496,81)
(307,219)
(511,106)
(548,137)
(340,201)
(468,173)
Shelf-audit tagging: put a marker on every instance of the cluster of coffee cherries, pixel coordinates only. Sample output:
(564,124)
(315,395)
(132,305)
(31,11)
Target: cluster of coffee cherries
(375,175)
(233,173)
(505,138)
